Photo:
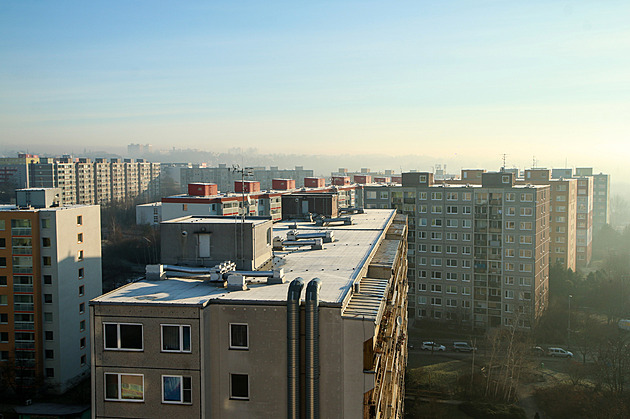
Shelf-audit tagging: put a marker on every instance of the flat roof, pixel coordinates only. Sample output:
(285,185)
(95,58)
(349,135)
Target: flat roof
(339,264)
(216,219)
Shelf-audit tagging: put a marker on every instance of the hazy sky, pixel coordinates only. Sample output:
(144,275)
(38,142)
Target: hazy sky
(549,79)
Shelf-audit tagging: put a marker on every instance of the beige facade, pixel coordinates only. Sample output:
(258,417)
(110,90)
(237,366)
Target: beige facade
(231,353)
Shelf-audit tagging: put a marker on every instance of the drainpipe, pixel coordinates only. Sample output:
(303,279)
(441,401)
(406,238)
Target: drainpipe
(293,348)
(312,349)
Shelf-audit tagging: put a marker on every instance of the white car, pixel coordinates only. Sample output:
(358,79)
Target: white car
(559,352)
(432,346)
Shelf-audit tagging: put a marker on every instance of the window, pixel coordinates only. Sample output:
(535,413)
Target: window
(80,255)
(451,276)
(527,211)
(525,253)
(436,261)
(48,317)
(82,343)
(466,237)
(466,250)
(436,248)
(50,372)
(452,222)
(467,223)
(436,209)
(47,260)
(436,301)
(422,274)
(436,275)
(422,248)
(451,196)
(3,280)
(466,210)
(525,240)
(527,197)
(436,196)
(451,250)
(422,300)
(47,279)
(510,211)
(422,287)
(176,389)
(49,354)
(466,263)
(175,338)
(82,326)
(509,253)
(509,280)
(509,238)
(467,196)
(123,336)
(81,290)
(239,336)
(4,318)
(45,241)
(80,238)
(505,179)
(451,263)
(525,267)
(422,208)
(48,299)
(81,308)
(510,225)
(526,225)
(451,289)
(436,235)
(83,360)
(124,387)
(239,386)
(48,335)
(81,273)
(436,288)
(451,236)
(79,220)
(436,222)
(509,294)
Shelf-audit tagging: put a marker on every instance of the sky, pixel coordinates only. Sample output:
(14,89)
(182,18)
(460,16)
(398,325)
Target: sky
(548,80)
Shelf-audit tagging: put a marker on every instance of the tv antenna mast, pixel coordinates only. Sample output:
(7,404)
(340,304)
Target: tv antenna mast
(245,171)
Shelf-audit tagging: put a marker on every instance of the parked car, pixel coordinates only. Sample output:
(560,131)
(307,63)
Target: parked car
(538,351)
(463,347)
(432,346)
(559,353)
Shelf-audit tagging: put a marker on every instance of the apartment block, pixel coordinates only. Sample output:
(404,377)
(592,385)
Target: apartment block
(102,182)
(584,220)
(132,187)
(15,171)
(601,200)
(563,213)
(478,254)
(118,179)
(84,169)
(50,267)
(308,336)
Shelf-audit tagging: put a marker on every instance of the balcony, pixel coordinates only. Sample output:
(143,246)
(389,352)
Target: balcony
(21,231)
(22,269)
(20,344)
(23,306)
(23,288)
(22,250)
(24,326)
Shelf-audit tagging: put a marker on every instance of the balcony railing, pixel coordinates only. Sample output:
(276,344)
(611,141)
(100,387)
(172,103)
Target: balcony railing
(22,250)
(24,344)
(21,231)
(22,269)
(24,326)
(23,306)
(23,288)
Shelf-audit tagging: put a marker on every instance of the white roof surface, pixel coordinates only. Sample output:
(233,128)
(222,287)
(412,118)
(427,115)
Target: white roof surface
(337,265)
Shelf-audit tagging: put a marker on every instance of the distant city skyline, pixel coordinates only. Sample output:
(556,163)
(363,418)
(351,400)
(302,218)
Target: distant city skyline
(460,82)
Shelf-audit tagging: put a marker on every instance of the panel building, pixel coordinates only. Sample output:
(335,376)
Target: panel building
(50,267)
(478,254)
(203,341)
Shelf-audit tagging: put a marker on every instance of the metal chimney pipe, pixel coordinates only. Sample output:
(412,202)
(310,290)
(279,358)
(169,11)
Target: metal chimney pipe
(312,349)
(293,348)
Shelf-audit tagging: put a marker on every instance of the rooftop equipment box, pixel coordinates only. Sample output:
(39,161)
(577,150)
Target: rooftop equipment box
(397,179)
(381,179)
(202,189)
(362,179)
(340,180)
(300,205)
(282,184)
(250,186)
(314,182)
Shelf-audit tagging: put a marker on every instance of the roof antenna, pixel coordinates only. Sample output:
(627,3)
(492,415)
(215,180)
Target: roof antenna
(504,159)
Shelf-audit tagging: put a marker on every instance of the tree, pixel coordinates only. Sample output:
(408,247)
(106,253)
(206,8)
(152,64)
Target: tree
(613,361)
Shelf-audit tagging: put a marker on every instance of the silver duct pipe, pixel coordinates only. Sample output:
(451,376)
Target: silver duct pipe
(312,348)
(293,348)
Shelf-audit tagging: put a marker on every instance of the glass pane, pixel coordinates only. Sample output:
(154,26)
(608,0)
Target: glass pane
(111,386)
(186,338)
(111,336)
(131,336)
(172,389)
(187,390)
(239,335)
(240,388)
(131,387)
(170,338)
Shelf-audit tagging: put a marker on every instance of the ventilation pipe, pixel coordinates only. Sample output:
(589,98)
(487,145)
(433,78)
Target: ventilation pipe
(293,347)
(312,349)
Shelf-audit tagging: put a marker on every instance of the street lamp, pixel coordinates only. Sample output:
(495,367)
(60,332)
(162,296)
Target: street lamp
(569,324)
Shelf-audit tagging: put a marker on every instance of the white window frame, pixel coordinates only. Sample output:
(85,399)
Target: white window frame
(181,389)
(232,397)
(239,347)
(118,348)
(181,338)
(120,399)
